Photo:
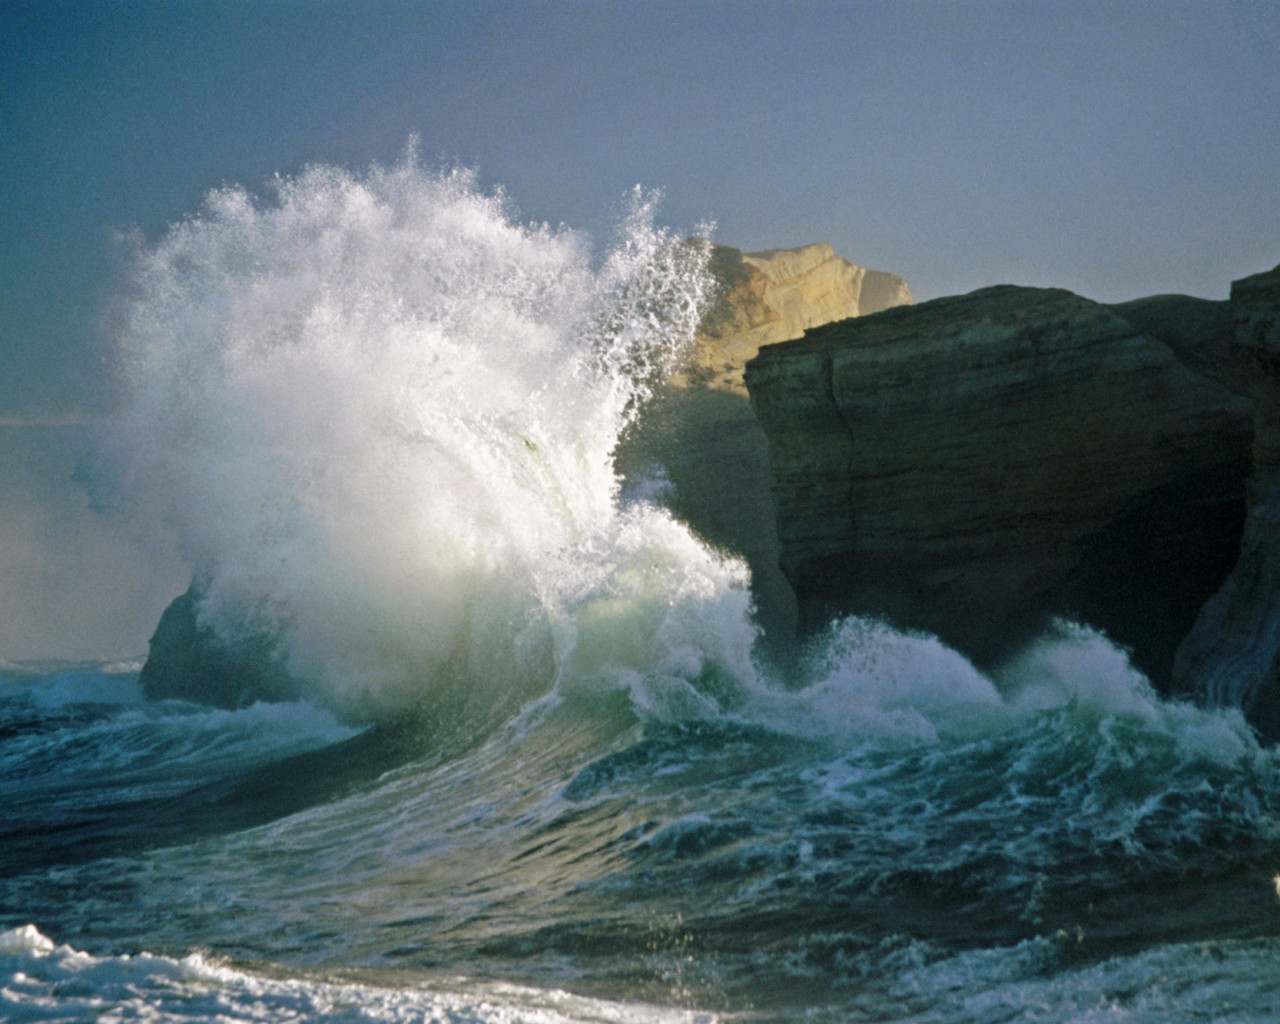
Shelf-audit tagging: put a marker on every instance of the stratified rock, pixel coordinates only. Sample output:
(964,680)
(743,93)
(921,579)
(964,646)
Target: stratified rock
(1256,303)
(1231,658)
(1201,333)
(700,433)
(188,661)
(973,465)
(776,295)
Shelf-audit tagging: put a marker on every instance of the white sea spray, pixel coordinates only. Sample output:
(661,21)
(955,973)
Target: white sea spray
(382,414)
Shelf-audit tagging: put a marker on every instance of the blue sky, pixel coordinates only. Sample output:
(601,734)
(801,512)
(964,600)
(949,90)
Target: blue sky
(1117,149)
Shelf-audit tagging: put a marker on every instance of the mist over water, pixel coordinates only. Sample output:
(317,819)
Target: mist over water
(76,581)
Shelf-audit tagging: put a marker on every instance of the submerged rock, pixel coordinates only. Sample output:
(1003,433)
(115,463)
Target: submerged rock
(1232,655)
(974,465)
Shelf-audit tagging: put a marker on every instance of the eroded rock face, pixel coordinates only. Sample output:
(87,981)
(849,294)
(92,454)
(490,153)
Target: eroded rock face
(1232,655)
(1231,658)
(777,295)
(1201,333)
(973,465)
(1256,303)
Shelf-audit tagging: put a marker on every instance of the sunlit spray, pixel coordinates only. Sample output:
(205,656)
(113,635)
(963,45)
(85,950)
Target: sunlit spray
(381,416)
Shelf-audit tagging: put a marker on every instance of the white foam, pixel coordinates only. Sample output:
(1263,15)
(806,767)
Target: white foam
(873,682)
(661,615)
(41,981)
(1076,667)
(1072,663)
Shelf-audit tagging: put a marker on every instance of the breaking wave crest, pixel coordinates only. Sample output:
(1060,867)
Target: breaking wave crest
(532,749)
(380,414)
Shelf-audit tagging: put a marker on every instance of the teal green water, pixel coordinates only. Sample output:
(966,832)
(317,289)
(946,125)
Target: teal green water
(1097,853)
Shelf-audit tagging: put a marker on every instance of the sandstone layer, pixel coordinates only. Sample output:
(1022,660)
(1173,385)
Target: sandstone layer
(1232,655)
(976,464)
(776,295)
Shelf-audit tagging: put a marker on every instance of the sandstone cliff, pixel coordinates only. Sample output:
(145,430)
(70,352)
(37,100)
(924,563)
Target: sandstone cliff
(1232,655)
(975,464)
(776,295)
(702,433)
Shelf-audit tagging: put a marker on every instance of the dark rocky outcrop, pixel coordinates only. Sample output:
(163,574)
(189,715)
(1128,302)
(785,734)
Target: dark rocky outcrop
(1232,655)
(973,465)
(1256,303)
(1231,658)
(1200,332)
(189,661)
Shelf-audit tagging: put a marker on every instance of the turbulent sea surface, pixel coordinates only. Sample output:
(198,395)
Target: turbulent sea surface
(541,766)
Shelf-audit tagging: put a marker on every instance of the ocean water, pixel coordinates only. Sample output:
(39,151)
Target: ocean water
(538,767)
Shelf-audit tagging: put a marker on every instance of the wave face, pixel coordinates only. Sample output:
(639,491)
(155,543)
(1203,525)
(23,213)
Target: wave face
(533,773)
(381,416)
(901,839)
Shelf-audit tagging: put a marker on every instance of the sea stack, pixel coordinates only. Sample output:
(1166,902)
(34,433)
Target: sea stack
(188,660)
(974,465)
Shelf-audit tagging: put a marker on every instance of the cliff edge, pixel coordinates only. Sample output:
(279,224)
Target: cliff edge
(973,465)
